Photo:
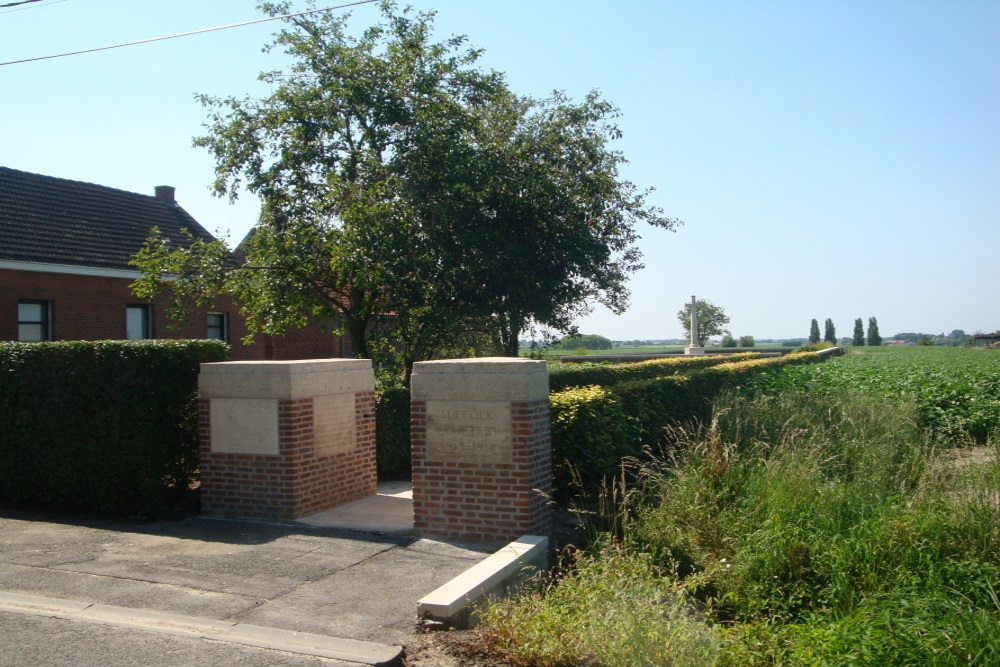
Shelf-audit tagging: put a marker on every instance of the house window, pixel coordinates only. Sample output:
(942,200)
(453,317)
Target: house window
(218,328)
(138,322)
(34,322)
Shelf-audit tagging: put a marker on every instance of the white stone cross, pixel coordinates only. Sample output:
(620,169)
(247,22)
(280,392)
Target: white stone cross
(694,321)
(694,347)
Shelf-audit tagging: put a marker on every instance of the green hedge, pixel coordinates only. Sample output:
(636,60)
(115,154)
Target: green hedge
(106,426)
(686,399)
(595,427)
(591,434)
(392,432)
(606,375)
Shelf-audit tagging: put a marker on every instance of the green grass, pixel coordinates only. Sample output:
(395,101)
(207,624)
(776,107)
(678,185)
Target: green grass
(614,609)
(802,527)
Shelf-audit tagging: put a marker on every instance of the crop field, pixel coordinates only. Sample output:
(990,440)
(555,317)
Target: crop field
(956,390)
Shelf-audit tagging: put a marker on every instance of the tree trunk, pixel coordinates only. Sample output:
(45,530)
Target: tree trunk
(357,325)
(510,332)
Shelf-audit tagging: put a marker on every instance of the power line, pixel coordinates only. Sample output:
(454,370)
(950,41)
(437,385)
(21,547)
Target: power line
(185,34)
(54,2)
(21,9)
(15,4)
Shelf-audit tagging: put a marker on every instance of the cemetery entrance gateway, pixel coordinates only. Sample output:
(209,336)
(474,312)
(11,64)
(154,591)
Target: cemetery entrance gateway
(282,440)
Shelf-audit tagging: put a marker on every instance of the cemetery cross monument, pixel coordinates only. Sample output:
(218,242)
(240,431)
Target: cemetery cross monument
(694,347)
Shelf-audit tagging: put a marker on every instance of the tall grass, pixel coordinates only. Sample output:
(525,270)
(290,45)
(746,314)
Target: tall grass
(809,530)
(614,608)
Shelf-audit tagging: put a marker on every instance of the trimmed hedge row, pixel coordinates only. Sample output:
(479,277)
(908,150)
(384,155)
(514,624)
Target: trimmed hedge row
(392,432)
(606,375)
(107,426)
(677,400)
(591,434)
(593,428)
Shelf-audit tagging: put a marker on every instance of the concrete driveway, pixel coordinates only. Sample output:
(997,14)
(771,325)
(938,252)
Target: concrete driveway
(97,592)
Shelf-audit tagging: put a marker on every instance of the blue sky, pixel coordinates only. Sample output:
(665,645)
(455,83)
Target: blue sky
(829,159)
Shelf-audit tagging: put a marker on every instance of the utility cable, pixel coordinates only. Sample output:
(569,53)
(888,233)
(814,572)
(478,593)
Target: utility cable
(54,2)
(15,4)
(193,32)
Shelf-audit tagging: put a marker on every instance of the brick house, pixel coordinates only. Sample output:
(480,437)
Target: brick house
(64,273)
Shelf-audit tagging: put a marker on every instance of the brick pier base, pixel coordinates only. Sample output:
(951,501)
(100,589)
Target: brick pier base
(285,439)
(481,449)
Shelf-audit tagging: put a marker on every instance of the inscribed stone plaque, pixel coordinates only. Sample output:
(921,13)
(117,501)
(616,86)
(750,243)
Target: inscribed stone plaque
(473,432)
(334,424)
(244,426)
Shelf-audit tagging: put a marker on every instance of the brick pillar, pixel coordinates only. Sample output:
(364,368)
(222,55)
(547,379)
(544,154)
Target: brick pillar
(481,449)
(285,439)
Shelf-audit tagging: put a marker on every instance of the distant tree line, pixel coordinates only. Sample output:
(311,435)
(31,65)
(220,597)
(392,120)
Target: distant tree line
(956,337)
(744,341)
(860,338)
(585,342)
(829,332)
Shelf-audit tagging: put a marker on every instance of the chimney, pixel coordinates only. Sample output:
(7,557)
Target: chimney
(166,193)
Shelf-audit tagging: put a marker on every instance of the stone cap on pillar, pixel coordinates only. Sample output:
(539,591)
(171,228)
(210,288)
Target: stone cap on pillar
(480,379)
(285,379)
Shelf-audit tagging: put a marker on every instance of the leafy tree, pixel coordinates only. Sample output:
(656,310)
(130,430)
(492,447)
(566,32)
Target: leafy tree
(330,153)
(747,341)
(829,332)
(859,333)
(553,221)
(873,337)
(398,178)
(727,341)
(814,332)
(712,320)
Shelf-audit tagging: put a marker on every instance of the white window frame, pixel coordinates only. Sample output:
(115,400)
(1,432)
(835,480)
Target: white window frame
(45,322)
(223,327)
(145,322)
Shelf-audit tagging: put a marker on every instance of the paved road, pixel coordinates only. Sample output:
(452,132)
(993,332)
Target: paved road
(286,579)
(31,641)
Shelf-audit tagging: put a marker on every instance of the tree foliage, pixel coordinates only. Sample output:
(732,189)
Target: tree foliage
(859,333)
(399,179)
(873,337)
(814,332)
(555,223)
(829,332)
(712,320)
(586,342)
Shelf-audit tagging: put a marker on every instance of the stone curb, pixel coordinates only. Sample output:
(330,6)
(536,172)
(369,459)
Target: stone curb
(347,650)
(455,601)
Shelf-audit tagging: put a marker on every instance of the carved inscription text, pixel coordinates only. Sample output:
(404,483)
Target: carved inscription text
(333,424)
(476,432)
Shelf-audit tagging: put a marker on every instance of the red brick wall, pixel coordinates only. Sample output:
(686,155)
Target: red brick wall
(311,342)
(93,308)
(296,482)
(491,503)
